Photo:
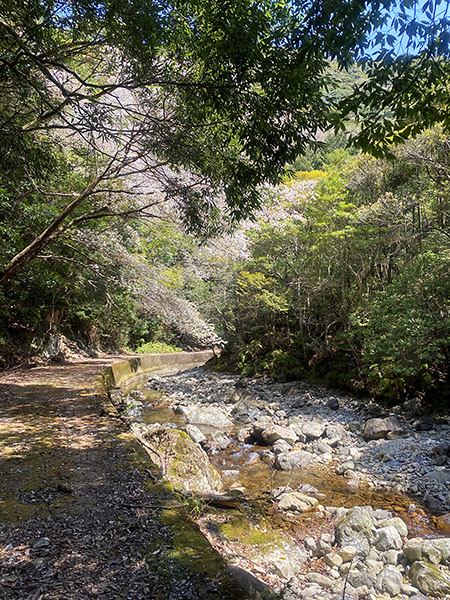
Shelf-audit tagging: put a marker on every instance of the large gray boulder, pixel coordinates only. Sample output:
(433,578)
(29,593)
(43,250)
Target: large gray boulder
(389,581)
(430,580)
(297,459)
(259,426)
(297,501)
(354,527)
(375,429)
(388,538)
(206,415)
(433,551)
(277,432)
(313,430)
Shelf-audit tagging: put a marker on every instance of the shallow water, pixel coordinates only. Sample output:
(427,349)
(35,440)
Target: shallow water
(248,467)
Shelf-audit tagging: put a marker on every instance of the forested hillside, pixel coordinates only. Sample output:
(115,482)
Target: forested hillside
(354,289)
(168,176)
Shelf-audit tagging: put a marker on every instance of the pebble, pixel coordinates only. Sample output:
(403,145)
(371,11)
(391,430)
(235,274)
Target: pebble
(370,446)
(405,464)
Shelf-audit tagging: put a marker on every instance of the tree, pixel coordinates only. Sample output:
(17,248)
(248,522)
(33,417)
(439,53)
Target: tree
(151,102)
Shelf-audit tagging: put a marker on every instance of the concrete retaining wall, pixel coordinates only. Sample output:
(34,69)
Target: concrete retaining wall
(126,371)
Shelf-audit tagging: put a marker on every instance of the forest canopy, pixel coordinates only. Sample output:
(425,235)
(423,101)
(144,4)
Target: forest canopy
(121,122)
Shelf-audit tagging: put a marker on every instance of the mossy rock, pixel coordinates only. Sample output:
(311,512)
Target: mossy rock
(180,460)
(430,579)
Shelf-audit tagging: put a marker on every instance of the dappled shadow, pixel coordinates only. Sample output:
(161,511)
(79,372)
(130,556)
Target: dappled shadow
(77,516)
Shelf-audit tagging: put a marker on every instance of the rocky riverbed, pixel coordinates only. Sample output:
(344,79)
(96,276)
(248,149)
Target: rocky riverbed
(307,455)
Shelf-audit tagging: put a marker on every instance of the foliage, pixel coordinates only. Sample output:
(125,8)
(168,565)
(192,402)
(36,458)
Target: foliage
(157,348)
(356,293)
(125,124)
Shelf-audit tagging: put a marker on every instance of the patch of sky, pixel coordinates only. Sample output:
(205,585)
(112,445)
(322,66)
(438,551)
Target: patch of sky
(411,27)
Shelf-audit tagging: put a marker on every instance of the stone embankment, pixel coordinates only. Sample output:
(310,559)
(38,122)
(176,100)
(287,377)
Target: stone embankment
(365,552)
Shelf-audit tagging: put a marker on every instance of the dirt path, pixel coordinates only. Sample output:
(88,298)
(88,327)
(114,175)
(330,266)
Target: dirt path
(79,518)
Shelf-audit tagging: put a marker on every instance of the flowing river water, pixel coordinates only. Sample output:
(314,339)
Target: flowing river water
(246,465)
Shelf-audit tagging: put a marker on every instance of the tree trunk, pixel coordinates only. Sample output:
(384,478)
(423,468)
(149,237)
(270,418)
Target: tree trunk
(21,260)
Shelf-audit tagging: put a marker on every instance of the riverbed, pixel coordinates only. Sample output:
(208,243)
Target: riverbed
(350,454)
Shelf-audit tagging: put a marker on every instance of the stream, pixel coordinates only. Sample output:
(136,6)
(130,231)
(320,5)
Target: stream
(330,490)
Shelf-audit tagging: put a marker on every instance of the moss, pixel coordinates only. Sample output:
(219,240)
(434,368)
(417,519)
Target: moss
(255,531)
(190,547)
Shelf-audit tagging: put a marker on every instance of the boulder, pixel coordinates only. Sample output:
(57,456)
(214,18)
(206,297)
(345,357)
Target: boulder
(206,415)
(333,403)
(281,446)
(396,522)
(276,432)
(320,579)
(418,549)
(363,577)
(313,430)
(389,581)
(296,459)
(430,580)
(195,434)
(354,528)
(180,459)
(377,428)
(348,553)
(296,501)
(388,538)
(334,434)
(259,426)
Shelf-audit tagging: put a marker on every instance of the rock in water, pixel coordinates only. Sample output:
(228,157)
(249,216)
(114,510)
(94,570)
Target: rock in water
(297,459)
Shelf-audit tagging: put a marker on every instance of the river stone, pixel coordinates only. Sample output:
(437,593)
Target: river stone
(334,434)
(320,447)
(297,501)
(313,430)
(194,433)
(181,461)
(364,577)
(396,522)
(443,546)
(391,557)
(259,426)
(389,581)
(333,560)
(348,553)
(297,459)
(322,548)
(377,428)
(418,549)
(320,579)
(206,415)
(354,528)
(281,446)
(277,432)
(430,580)
(388,538)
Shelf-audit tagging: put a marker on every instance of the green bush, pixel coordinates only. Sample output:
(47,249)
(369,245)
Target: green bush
(157,348)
